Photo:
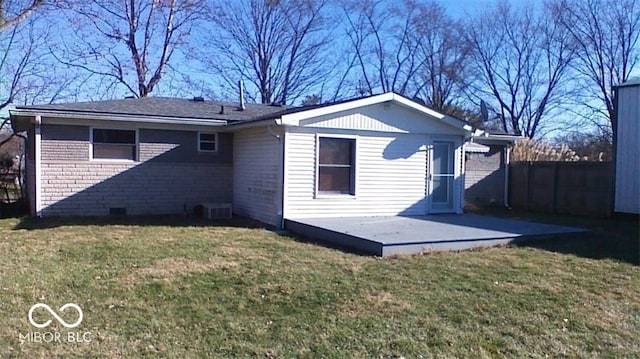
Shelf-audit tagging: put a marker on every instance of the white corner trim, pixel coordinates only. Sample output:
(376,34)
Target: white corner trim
(38,165)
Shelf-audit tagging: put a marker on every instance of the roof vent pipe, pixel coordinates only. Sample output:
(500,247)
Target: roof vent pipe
(222,110)
(241,86)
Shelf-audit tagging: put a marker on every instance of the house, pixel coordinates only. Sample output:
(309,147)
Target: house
(487,169)
(372,156)
(627,148)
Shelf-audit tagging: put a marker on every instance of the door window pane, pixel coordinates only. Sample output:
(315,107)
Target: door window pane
(440,189)
(441,163)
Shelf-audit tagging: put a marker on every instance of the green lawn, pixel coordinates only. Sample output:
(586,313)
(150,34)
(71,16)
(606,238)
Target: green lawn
(183,289)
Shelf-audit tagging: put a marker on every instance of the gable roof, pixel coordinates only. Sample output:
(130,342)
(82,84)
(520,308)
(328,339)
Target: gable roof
(295,117)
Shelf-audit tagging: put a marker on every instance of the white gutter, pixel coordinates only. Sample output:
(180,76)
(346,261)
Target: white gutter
(258,123)
(487,137)
(117,117)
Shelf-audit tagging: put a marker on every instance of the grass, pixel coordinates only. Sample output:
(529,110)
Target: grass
(184,289)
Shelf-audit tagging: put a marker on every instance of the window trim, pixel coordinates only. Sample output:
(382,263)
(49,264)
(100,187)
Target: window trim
(316,189)
(120,160)
(217,142)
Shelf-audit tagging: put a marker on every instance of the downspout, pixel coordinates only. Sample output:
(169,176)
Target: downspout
(507,152)
(38,165)
(280,191)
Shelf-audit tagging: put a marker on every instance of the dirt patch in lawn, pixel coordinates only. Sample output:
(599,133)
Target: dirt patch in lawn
(173,267)
(381,302)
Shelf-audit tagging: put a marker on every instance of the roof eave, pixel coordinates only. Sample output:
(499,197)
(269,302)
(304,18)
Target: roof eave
(115,117)
(255,123)
(486,137)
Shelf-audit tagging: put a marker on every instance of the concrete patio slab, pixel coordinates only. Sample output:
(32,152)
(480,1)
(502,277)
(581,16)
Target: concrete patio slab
(384,236)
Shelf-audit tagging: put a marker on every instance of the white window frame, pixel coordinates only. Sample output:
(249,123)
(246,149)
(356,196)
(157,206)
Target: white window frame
(217,142)
(320,194)
(137,144)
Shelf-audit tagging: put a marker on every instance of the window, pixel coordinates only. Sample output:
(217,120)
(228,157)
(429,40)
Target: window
(336,165)
(114,144)
(207,142)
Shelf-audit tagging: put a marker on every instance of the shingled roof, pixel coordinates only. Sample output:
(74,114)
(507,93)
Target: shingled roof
(168,108)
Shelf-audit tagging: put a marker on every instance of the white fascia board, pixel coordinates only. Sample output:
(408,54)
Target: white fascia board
(474,147)
(118,117)
(260,123)
(489,138)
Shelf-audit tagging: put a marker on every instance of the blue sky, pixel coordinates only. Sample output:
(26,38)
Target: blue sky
(459,8)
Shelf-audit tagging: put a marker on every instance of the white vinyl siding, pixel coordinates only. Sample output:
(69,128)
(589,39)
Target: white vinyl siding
(256,175)
(627,186)
(390,179)
(388,117)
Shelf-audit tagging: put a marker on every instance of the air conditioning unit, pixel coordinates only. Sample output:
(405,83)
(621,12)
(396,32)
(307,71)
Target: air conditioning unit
(217,210)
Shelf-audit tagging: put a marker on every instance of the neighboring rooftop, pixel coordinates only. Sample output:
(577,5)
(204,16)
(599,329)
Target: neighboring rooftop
(167,107)
(630,82)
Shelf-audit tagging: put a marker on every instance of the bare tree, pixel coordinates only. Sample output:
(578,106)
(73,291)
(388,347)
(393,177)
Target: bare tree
(605,34)
(277,47)
(14,12)
(17,54)
(440,79)
(129,43)
(520,60)
(27,73)
(384,55)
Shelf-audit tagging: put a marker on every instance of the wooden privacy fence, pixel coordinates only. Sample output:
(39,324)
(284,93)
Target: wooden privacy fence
(582,188)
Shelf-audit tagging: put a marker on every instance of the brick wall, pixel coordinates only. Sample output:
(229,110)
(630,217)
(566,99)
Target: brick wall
(170,175)
(484,177)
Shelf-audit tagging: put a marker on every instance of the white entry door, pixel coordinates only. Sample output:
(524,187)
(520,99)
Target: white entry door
(442,175)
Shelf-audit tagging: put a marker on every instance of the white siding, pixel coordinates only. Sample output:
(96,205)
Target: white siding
(390,176)
(387,117)
(627,193)
(256,175)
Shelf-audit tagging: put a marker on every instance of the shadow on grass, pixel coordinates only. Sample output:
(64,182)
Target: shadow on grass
(32,223)
(608,238)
